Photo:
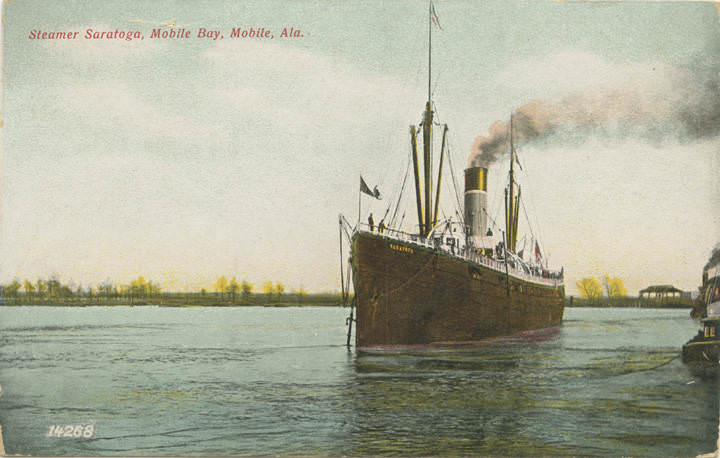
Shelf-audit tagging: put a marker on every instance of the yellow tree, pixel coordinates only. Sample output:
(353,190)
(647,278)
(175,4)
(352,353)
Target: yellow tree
(589,288)
(268,289)
(279,288)
(233,289)
(221,286)
(11,290)
(29,287)
(139,287)
(614,287)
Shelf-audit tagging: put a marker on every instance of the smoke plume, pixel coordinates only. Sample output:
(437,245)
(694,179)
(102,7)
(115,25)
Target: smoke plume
(714,257)
(652,105)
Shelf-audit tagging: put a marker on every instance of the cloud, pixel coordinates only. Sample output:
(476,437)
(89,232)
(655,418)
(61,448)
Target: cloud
(115,106)
(298,88)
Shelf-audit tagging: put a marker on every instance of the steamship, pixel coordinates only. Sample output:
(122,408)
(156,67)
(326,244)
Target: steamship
(704,348)
(451,281)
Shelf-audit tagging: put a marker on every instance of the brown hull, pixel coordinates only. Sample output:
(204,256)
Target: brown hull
(705,353)
(410,295)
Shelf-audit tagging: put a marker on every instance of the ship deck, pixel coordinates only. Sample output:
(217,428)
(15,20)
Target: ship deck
(438,244)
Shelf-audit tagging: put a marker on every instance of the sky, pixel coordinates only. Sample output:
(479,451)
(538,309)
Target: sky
(183,160)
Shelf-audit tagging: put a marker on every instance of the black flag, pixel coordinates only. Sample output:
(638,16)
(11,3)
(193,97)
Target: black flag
(366,189)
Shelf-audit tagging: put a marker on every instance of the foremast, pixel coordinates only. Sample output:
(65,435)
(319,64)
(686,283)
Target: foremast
(427,212)
(512,201)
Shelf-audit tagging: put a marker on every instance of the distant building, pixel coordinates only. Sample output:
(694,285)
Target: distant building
(663,292)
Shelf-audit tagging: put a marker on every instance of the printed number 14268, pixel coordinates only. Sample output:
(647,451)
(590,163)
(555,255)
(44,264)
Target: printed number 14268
(72,431)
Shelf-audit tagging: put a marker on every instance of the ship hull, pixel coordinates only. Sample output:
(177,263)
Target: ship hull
(702,353)
(407,294)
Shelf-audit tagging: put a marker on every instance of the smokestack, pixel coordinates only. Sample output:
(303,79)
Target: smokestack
(476,202)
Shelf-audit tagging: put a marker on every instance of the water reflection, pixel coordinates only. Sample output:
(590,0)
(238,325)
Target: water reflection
(553,395)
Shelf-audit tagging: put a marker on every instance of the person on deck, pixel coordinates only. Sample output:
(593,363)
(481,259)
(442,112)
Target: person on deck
(381,226)
(371,222)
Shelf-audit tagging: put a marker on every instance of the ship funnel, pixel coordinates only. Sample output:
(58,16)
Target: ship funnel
(476,216)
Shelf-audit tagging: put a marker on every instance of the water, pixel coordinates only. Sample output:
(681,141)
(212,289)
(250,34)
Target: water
(257,381)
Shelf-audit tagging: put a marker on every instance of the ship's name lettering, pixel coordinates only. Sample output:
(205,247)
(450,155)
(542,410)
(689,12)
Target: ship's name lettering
(404,249)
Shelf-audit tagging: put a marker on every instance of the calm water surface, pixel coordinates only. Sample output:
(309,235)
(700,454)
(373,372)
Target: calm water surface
(256,381)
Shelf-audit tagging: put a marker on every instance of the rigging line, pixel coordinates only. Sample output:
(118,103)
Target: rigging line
(497,195)
(437,80)
(534,213)
(492,220)
(534,222)
(438,37)
(452,173)
(392,196)
(451,149)
(498,201)
(449,190)
(395,190)
(402,189)
(527,219)
(541,235)
(448,187)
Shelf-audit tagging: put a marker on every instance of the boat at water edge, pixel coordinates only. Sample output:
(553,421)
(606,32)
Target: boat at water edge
(704,348)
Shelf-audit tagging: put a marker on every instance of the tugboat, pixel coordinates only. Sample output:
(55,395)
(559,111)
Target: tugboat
(704,348)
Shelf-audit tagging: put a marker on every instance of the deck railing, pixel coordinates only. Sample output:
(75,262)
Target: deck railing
(438,244)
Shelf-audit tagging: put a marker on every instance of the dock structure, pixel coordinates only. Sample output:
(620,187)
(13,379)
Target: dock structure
(662,292)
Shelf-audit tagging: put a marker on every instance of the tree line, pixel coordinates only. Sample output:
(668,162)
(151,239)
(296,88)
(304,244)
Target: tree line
(232,288)
(138,290)
(55,289)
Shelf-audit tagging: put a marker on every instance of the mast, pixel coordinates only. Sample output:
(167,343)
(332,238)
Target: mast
(516,218)
(510,197)
(439,179)
(427,135)
(429,49)
(506,235)
(511,203)
(427,158)
(425,214)
(416,169)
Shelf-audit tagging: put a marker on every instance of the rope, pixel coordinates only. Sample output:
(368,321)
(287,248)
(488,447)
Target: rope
(528,220)
(402,190)
(457,197)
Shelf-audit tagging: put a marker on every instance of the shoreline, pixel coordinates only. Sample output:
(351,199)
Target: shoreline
(95,304)
(295,304)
